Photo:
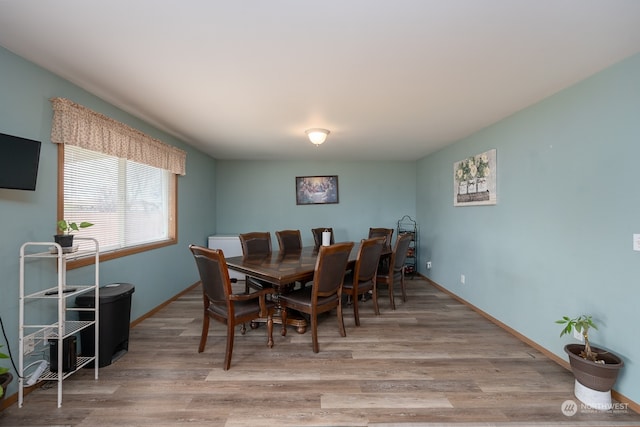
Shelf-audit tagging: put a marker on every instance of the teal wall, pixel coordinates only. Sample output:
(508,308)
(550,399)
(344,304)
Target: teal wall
(260,196)
(559,240)
(158,275)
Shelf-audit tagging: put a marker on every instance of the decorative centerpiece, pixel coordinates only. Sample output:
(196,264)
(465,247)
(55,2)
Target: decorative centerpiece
(595,369)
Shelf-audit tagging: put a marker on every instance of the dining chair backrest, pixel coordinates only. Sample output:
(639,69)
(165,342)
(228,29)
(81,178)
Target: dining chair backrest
(382,232)
(256,243)
(330,269)
(400,251)
(289,240)
(317,235)
(368,258)
(214,275)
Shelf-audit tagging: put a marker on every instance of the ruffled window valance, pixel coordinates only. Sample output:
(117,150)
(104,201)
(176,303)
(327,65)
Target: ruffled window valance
(77,125)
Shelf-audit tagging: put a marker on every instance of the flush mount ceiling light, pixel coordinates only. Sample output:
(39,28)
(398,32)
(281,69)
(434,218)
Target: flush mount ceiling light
(317,136)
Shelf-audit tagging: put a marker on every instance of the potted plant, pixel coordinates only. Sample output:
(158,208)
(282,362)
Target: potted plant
(65,238)
(595,369)
(5,376)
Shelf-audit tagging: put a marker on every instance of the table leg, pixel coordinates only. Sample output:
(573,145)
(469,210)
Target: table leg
(293,317)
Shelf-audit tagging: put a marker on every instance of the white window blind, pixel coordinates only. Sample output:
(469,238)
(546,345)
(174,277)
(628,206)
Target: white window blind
(127,202)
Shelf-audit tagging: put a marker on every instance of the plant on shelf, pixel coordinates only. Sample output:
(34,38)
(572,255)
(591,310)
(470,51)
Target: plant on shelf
(5,375)
(65,238)
(595,369)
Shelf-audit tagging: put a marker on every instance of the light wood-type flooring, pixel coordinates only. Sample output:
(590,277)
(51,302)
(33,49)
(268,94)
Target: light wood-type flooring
(432,362)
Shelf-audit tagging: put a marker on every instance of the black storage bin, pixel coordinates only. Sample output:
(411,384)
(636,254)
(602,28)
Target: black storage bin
(115,314)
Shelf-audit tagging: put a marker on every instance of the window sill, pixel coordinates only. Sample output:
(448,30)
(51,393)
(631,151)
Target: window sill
(106,256)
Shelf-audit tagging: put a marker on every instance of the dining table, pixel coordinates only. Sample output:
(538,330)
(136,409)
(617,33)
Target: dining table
(283,269)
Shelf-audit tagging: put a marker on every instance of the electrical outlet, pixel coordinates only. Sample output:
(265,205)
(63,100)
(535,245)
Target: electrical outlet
(28,344)
(578,335)
(462,279)
(428,264)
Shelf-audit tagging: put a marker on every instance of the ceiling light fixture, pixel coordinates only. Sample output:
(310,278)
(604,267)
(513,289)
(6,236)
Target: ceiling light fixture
(317,136)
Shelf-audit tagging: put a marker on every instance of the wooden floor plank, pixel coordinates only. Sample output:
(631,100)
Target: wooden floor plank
(431,362)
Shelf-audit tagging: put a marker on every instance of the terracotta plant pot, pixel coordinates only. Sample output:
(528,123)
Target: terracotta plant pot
(596,376)
(64,240)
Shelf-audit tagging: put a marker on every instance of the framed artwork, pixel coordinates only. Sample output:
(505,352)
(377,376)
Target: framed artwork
(316,190)
(474,180)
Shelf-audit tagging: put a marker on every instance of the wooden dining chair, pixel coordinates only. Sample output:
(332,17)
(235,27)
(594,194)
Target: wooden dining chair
(317,235)
(221,304)
(289,240)
(393,271)
(363,277)
(387,233)
(326,292)
(256,243)
(382,232)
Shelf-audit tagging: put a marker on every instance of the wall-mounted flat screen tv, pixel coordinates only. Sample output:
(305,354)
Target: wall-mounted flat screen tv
(19,159)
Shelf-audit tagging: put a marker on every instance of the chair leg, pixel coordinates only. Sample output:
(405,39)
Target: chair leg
(270,331)
(229,351)
(374,297)
(404,291)
(343,332)
(205,332)
(283,318)
(314,332)
(393,304)
(356,312)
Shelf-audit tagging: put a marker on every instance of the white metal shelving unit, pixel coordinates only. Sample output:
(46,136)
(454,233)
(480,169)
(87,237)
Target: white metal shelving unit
(37,335)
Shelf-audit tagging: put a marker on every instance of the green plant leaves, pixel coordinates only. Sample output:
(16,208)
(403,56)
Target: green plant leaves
(581,324)
(67,227)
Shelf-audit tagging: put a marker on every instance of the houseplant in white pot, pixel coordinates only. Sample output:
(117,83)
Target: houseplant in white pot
(595,369)
(65,238)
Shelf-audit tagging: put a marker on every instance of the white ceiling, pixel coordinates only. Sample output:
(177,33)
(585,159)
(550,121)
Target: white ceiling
(391,79)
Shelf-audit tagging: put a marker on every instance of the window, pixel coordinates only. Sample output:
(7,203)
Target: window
(131,205)
(116,177)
